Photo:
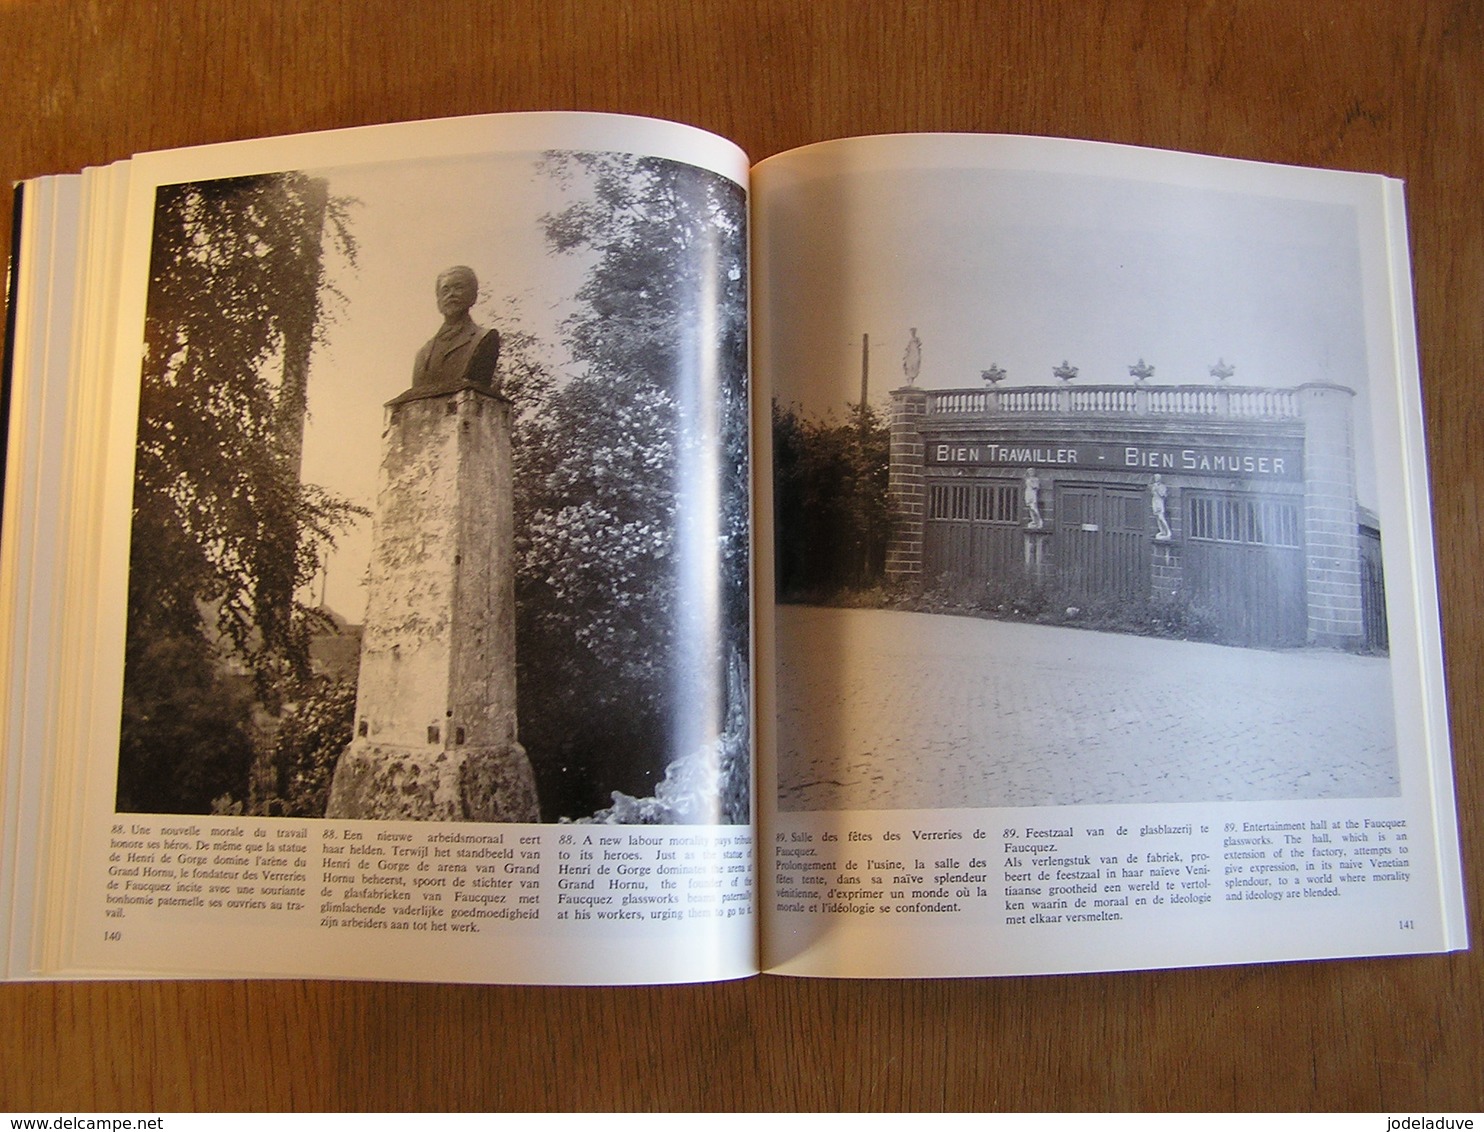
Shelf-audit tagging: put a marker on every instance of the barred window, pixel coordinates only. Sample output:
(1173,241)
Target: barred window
(948,501)
(996,501)
(1244,519)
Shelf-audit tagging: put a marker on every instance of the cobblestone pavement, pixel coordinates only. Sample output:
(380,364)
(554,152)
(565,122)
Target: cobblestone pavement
(886,710)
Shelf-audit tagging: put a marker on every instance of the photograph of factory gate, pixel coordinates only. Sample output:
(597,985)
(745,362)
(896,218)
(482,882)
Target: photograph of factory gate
(1238,502)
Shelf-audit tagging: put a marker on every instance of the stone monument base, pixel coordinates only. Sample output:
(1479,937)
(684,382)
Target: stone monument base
(387,782)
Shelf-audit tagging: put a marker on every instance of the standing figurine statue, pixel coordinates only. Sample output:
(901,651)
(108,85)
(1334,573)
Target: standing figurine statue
(462,352)
(1033,500)
(1158,490)
(912,358)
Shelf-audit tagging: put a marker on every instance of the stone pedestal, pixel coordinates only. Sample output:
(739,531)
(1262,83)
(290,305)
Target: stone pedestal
(435,704)
(396,783)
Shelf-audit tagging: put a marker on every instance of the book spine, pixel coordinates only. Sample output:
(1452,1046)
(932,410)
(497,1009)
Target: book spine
(12,284)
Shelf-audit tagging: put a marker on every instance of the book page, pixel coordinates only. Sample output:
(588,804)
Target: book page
(410,633)
(1105,631)
(36,420)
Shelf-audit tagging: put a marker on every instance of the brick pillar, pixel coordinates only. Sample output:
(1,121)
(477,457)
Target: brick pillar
(905,492)
(1331,535)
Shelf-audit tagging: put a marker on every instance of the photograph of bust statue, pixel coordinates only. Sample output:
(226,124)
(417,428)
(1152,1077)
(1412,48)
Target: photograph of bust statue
(462,352)
(559,488)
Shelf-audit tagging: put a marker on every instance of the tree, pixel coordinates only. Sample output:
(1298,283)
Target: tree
(313,732)
(830,503)
(224,533)
(626,627)
(186,735)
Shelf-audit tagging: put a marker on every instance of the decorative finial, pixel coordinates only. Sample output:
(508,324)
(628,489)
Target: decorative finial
(1066,371)
(993,375)
(1141,372)
(1221,371)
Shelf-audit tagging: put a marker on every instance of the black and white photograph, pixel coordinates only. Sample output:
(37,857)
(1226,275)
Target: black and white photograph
(1074,493)
(441,497)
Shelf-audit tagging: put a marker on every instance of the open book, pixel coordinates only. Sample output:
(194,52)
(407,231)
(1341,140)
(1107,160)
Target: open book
(420,562)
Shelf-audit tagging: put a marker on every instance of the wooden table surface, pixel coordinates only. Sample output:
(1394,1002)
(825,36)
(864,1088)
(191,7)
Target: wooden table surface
(1387,86)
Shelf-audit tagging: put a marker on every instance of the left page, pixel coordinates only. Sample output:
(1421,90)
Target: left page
(402,626)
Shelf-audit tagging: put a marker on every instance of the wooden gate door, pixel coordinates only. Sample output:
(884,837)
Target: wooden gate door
(1102,545)
(973,530)
(1244,567)
(1373,591)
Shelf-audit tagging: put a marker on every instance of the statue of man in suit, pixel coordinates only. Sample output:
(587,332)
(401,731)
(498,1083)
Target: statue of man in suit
(462,352)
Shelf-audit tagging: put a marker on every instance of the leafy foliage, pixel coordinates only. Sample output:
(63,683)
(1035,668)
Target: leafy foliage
(187,734)
(1022,598)
(831,511)
(313,730)
(621,503)
(711,783)
(224,533)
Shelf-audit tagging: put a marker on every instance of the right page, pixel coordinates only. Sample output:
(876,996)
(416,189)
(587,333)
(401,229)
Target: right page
(1104,631)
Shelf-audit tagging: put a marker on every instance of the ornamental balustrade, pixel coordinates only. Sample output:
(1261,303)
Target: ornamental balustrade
(1172,400)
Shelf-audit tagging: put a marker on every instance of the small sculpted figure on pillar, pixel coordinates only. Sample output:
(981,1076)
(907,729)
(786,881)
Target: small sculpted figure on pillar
(912,358)
(1158,491)
(1033,500)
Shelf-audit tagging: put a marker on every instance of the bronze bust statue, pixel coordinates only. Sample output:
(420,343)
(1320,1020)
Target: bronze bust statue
(462,352)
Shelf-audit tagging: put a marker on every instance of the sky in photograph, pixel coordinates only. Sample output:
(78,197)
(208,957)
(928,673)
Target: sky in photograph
(1026,269)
